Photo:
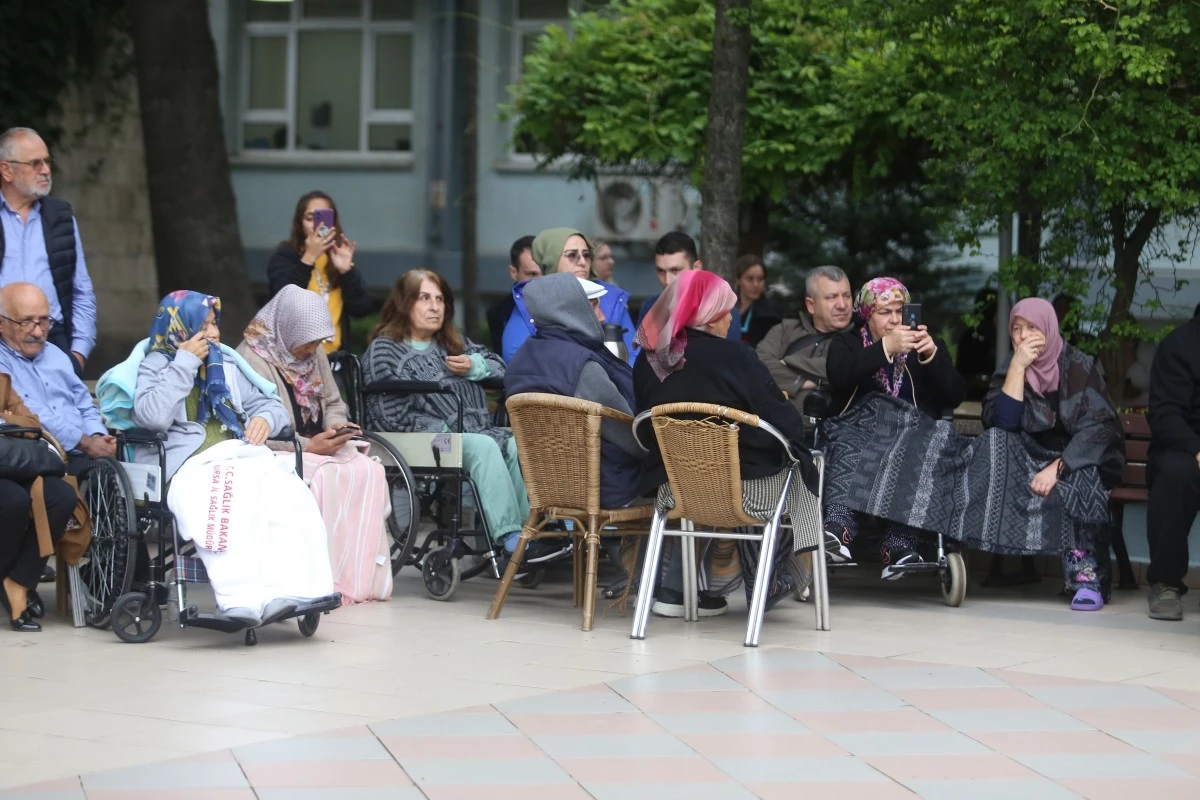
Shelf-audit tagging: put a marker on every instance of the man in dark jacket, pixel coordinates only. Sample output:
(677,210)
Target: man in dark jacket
(795,349)
(1173,471)
(567,357)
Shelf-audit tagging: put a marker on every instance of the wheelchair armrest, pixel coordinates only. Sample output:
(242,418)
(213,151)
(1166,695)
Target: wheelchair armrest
(142,436)
(407,387)
(286,435)
(492,383)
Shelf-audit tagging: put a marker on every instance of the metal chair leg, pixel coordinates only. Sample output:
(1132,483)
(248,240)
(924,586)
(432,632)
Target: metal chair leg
(691,589)
(650,566)
(766,557)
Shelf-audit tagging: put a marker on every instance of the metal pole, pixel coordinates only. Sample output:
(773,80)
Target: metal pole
(1003,306)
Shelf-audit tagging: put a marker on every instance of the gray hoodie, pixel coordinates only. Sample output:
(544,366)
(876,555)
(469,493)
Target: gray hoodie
(558,301)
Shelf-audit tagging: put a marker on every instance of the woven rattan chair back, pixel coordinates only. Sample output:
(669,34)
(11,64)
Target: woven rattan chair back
(558,444)
(699,447)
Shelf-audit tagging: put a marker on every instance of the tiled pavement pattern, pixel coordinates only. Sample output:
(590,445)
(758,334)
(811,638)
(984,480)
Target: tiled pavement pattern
(771,723)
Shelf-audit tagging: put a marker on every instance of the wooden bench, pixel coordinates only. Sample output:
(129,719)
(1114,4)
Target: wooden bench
(1132,489)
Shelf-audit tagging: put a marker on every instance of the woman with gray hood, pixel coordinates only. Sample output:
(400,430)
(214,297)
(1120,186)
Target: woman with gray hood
(567,357)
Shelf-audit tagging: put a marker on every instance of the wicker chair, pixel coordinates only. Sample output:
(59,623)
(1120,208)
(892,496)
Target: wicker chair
(699,447)
(558,443)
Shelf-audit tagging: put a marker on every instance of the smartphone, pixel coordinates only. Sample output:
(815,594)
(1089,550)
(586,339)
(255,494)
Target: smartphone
(323,221)
(351,429)
(911,316)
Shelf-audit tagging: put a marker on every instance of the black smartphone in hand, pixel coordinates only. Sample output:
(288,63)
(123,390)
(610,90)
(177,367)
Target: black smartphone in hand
(911,315)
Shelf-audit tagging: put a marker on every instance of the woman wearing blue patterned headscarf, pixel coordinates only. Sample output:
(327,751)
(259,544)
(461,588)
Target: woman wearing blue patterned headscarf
(183,387)
(190,321)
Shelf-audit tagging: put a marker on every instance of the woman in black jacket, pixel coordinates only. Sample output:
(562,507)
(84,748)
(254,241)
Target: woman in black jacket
(686,357)
(880,355)
(321,259)
(757,313)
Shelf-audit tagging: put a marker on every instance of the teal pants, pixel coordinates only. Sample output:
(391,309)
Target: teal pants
(498,477)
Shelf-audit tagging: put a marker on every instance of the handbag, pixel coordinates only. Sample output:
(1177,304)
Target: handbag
(26,454)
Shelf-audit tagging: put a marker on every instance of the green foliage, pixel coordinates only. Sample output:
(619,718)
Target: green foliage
(48,47)
(629,89)
(1084,112)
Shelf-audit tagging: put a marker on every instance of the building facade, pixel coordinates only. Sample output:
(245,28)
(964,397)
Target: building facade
(363,99)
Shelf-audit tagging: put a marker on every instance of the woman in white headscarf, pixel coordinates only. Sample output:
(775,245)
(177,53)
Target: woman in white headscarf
(283,344)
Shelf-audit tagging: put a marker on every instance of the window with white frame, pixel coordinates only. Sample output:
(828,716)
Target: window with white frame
(328,76)
(532,18)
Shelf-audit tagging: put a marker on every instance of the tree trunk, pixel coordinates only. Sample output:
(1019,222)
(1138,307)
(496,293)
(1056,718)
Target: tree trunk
(755,230)
(468,64)
(197,244)
(721,185)
(1127,252)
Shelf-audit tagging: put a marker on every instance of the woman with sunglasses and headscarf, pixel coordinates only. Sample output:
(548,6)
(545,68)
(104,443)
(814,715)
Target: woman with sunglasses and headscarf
(880,356)
(283,344)
(1049,406)
(566,250)
(686,357)
(268,557)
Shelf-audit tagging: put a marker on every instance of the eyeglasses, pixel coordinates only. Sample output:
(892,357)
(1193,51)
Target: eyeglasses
(28,325)
(37,163)
(575,256)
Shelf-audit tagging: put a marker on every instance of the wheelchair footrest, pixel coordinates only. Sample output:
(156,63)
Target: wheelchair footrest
(319,605)
(194,619)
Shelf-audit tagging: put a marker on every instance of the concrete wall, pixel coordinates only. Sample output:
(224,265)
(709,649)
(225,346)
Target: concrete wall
(102,173)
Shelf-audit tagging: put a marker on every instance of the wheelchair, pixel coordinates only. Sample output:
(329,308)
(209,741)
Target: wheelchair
(428,480)
(137,563)
(943,560)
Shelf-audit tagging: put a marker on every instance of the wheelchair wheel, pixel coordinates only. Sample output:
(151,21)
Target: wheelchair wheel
(108,565)
(404,521)
(442,573)
(135,618)
(954,580)
(308,623)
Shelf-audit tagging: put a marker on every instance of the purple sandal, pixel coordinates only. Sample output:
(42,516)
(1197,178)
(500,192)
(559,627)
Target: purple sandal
(1087,600)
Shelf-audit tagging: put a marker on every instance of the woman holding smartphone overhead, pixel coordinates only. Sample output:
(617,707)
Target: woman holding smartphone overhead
(318,257)
(283,345)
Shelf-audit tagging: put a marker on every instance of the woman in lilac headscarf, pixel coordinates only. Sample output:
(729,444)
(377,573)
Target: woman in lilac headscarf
(1053,399)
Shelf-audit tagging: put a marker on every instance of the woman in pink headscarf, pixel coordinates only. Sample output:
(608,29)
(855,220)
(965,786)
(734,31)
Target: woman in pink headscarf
(686,357)
(1053,398)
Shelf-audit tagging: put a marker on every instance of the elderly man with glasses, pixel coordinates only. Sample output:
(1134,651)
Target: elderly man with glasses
(43,376)
(40,244)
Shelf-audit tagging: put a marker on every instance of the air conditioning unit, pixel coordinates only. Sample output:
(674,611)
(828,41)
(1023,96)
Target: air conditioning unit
(639,209)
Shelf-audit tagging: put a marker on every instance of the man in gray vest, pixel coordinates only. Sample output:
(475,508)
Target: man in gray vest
(39,243)
(794,350)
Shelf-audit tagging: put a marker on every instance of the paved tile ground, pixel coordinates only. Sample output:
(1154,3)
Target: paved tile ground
(1011,695)
(725,730)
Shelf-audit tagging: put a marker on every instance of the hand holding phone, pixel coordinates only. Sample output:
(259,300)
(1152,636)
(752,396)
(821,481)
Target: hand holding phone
(349,429)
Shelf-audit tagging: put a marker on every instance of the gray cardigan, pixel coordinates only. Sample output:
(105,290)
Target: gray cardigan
(159,404)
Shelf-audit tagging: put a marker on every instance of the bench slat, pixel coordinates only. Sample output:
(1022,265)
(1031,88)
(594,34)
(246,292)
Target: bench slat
(1134,476)
(1128,494)
(1136,426)
(1136,451)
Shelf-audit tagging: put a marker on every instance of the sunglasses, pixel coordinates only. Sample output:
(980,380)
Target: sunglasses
(576,256)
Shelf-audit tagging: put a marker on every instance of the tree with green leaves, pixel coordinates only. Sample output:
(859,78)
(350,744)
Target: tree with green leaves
(630,89)
(1083,117)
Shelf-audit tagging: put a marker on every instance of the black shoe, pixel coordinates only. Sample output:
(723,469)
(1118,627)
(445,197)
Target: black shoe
(34,605)
(901,558)
(669,603)
(49,575)
(783,586)
(543,551)
(26,623)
